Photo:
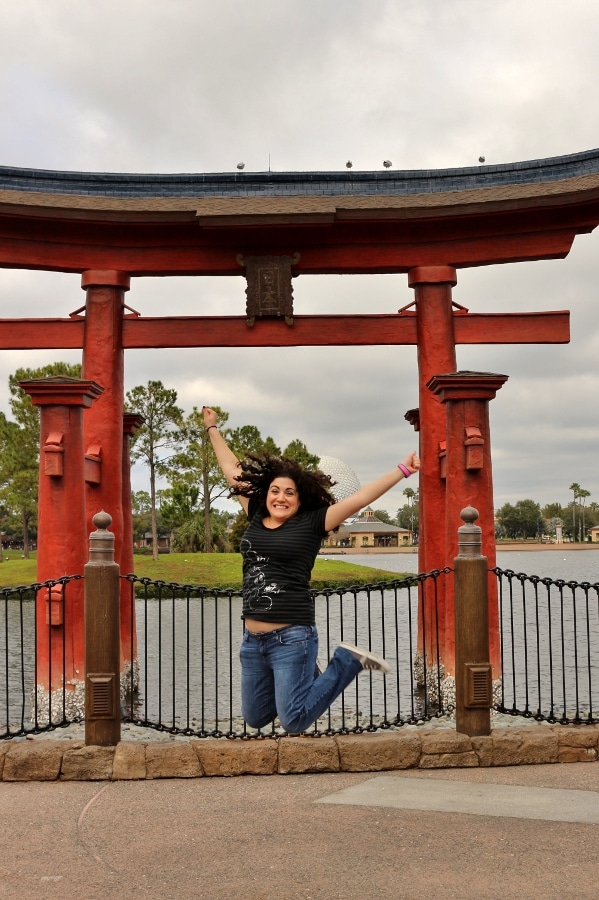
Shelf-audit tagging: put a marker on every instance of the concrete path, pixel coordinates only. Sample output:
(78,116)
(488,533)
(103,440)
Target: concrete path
(526,832)
(503,800)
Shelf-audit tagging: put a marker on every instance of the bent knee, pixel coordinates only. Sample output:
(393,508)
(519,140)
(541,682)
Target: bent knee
(294,725)
(257,722)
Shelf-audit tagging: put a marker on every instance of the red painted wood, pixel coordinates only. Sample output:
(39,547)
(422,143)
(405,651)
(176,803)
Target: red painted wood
(466,399)
(512,328)
(233,331)
(317,257)
(318,331)
(62,535)
(105,278)
(103,362)
(436,353)
(313,331)
(41,334)
(59,391)
(432,275)
(367,240)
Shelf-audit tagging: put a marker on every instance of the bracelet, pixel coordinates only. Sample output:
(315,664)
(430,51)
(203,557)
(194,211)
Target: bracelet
(211,426)
(405,470)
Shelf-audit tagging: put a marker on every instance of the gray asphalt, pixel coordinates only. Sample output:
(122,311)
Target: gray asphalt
(528,831)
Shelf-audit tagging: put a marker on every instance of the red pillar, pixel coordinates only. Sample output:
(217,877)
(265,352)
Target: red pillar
(466,397)
(103,361)
(62,533)
(131,423)
(436,353)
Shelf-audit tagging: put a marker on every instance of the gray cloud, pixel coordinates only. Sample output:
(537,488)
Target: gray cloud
(155,87)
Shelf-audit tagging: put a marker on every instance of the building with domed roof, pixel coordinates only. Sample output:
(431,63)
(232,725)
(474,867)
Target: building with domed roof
(366,531)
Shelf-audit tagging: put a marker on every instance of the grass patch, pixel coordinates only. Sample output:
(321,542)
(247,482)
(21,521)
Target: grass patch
(15,570)
(222,570)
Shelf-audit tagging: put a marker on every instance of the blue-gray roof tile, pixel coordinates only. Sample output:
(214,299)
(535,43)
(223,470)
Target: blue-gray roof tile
(280,184)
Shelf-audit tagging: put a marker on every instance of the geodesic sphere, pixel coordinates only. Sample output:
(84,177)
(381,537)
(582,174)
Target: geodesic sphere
(346,478)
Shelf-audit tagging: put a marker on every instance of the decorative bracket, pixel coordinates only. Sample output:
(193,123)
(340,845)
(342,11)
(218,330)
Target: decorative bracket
(133,313)
(443,459)
(454,305)
(93,465)
(474,444)
(55,605)
(54,454)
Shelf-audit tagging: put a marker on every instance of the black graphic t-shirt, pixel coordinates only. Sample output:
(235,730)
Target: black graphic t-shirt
(277,566)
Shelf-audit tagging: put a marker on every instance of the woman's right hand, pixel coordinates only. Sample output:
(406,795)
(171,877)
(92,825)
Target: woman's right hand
(210,417)
(412,462)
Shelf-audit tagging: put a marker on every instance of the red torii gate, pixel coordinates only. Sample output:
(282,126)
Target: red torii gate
(112,228)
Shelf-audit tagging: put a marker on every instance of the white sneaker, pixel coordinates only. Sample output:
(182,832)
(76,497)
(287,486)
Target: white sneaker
(368,659)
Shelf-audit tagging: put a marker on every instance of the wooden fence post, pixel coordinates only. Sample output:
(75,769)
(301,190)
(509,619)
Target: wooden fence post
(473,672)
(102,637)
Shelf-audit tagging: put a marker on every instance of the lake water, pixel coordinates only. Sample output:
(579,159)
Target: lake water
(569,565)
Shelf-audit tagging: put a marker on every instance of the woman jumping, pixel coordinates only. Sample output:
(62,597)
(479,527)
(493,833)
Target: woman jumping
(290,511)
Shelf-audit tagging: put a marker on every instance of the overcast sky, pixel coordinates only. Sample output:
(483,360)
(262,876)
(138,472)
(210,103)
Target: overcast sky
(197,86)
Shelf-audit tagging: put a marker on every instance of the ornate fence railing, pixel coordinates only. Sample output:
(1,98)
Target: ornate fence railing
(188,676)
(186,680)
(22,708)
(549,648)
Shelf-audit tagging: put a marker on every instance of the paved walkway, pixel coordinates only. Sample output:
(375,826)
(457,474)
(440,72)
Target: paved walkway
(527,831)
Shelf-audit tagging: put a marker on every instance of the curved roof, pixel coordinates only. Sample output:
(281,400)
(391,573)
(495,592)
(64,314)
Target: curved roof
(350,221)
(280,184)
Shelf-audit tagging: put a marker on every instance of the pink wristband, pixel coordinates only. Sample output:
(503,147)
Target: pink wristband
(405,470)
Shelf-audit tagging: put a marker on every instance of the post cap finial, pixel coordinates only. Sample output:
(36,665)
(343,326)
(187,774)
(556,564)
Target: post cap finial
(102,520)
(469,515)
(101,541)
(469,534)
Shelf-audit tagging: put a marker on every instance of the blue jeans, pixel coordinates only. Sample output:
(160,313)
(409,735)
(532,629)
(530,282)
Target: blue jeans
(278,677)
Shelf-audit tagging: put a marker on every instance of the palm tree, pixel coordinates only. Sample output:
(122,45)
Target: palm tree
(582,494)
(575,488)
(412,496)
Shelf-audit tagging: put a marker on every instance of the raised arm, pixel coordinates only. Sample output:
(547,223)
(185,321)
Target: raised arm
(340,511)
(226,459)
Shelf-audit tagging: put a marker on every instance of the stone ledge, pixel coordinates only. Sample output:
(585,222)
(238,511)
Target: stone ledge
(432,748)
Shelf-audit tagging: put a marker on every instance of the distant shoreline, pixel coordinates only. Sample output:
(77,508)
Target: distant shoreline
(503,546)
(528,545)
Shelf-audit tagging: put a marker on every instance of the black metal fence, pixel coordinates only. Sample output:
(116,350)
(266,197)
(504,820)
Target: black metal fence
(188,677)
(23,708)
(186,680)
(549,648)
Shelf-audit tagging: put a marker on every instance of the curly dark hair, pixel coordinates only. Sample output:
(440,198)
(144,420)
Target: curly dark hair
(258,472)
